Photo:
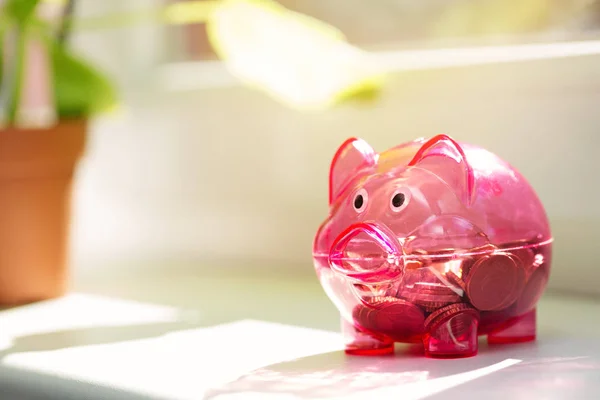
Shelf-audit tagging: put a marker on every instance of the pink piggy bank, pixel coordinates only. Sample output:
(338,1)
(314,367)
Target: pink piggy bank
(431,242)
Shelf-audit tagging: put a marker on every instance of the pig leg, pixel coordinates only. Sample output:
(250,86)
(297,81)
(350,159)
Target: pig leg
(361,343)
(453,338)
(521,330)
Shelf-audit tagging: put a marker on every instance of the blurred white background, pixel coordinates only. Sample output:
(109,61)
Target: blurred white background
(226,173)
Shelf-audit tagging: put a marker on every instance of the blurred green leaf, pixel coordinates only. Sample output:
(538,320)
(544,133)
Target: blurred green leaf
(20,10)
(297,59)
(80,90)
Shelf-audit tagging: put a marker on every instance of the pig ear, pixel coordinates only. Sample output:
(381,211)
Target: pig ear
(352,156)
(443,156)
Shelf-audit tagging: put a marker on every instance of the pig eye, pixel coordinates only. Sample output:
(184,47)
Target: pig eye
(399,200)
(360,200)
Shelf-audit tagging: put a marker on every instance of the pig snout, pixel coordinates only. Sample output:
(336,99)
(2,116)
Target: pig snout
(367,252)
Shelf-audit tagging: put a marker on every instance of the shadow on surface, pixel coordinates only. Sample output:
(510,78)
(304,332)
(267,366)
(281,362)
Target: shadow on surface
(49,387)
(42,386)
(90,336)
(338,375)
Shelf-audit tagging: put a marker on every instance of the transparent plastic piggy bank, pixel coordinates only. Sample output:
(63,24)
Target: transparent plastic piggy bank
(431,242)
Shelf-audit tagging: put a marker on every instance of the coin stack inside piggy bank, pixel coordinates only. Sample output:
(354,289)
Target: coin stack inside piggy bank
(442,294)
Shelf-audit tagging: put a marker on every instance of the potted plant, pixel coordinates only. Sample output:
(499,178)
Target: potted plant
(47,96)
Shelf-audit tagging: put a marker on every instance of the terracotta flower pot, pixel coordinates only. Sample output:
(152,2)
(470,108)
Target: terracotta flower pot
(36,174)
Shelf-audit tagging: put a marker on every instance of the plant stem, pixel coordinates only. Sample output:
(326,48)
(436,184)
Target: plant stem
(18,72)
(9,39)
(66,22)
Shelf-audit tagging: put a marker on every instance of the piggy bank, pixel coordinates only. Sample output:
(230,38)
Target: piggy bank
(433,242)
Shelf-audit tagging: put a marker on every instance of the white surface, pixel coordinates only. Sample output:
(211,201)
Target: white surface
(201,363)
(184,364)
(81,346)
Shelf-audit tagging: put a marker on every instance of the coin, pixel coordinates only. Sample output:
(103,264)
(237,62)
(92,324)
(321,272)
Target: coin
(456,336)
(429,295)
(444,313)
(494,282)
(475,254)
(428,299)
(532,292)
(431,307)
(390,316)
(455,280)
(526,256)
(432,288)
(519,285)
(425,289)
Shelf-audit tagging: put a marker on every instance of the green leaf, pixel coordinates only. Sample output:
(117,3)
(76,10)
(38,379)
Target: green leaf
(321,68)
(20,10)
(80,90)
